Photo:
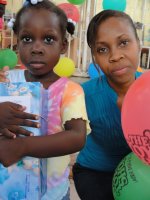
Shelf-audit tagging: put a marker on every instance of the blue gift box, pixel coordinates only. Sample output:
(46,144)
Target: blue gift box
(25,180)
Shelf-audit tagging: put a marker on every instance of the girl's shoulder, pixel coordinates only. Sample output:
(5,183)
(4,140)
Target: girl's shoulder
(64,88)
(72,88)
(65,84)
(74,85)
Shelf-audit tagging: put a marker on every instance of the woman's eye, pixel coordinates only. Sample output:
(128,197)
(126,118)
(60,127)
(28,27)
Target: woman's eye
(49,40)
(27,39)
(102,50)
(124,43)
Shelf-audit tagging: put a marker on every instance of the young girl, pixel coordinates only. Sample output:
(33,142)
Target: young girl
(115,47)
(41,34)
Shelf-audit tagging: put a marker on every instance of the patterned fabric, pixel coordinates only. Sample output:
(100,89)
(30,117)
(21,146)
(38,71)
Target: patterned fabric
(26,179)
(65,102)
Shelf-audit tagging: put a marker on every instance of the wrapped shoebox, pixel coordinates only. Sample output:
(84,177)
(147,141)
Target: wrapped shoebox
(25,180)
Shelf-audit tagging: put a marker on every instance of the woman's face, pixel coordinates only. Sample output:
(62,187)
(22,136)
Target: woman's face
(117,50)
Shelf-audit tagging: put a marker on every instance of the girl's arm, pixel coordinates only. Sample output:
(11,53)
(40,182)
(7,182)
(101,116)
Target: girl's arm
(66,142)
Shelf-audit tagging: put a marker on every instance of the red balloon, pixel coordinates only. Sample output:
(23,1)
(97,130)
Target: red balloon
(136,117)
(70,10)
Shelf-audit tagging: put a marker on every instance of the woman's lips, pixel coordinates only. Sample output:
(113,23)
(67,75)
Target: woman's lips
(120,71)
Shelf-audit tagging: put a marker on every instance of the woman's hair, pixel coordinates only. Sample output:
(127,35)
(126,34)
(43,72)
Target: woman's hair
(98,19)
(47,5)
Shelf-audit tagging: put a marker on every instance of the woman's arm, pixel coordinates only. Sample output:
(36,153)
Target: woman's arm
(66,142)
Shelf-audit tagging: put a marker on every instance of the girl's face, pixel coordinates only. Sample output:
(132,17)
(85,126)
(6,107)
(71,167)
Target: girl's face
(40,41)
(117,50)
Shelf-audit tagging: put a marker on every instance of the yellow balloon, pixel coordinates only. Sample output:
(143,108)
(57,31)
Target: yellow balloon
(65,67)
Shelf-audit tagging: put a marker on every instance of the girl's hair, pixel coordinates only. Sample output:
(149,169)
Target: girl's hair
(47,5)
(98,19)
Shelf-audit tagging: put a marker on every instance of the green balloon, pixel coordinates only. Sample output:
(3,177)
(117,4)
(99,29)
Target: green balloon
(114,5)
(131,179)
(8,58)
(76,2)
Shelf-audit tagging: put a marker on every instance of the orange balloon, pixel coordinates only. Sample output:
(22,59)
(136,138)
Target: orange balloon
(135,117)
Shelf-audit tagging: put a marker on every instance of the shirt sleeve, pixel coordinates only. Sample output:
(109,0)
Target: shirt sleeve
(73,104)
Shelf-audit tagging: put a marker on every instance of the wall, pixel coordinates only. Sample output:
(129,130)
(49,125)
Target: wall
(137,9)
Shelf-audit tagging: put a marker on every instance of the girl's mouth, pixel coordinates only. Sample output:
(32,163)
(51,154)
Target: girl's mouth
(37,65)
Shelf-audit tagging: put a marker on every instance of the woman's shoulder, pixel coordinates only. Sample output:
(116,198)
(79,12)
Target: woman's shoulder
(138,74)
(94,85)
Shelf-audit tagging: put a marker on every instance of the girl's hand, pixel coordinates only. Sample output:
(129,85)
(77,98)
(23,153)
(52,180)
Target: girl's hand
(10,151)
(12,116)
(3,74)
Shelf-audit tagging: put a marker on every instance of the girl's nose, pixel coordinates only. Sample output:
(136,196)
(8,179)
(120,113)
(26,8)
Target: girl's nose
(37,48)
(115,55)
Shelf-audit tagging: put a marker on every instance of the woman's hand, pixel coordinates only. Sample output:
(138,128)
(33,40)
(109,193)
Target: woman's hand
(12,116)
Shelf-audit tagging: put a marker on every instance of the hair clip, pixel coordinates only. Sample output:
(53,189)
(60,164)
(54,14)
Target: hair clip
(35,1)
(10,24)
(71,21)
(32,2)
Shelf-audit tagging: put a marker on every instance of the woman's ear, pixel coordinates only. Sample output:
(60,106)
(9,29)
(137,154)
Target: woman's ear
(93,55)
(64,46)
(139,45)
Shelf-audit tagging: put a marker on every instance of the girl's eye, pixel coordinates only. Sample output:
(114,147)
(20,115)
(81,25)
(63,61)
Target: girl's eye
(124,43)
(49,40)
(27,39)
(102,50)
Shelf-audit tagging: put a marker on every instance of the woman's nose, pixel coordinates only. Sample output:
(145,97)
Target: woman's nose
(115,55)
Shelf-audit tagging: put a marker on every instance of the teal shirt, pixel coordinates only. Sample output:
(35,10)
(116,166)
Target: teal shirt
(105,145)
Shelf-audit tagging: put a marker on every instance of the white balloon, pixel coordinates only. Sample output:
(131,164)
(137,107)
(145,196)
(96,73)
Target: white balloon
(10,24)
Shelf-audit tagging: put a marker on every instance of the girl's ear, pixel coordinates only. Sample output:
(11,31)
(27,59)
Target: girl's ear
(64,46)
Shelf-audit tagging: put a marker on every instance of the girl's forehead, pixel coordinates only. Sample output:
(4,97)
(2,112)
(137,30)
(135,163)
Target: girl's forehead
(39,18)
(37,14)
